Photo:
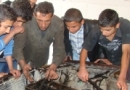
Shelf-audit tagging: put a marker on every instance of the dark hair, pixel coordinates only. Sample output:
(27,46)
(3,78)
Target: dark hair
(73,14)
(108,17)
(8,2)
(44,7)
(7,13)
(23,9)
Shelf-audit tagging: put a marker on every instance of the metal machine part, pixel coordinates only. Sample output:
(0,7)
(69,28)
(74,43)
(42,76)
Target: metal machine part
(67,72)
(99,77)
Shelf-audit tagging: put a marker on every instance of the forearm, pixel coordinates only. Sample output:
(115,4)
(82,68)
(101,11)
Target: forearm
(125,60)
(58,55)
(9,62)
(8,37)
(83,57)
(22,63)
(124,66)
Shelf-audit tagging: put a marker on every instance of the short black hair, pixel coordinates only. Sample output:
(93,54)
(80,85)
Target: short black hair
(44,7)
(23,9)
(108,17)
(8,2)
(73,14)
(7,13)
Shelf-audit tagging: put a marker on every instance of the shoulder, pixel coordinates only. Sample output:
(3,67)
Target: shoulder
(57,21)
(89,23)
(57,24)
(124,23)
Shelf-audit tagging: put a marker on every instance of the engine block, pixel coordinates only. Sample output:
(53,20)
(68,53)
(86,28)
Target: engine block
(98,73)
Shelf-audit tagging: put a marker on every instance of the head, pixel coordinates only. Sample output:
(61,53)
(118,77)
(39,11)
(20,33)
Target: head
(7,18)
(8,2)
(23,11)
(73,20)
(43,13)
(108,22)
(32,3)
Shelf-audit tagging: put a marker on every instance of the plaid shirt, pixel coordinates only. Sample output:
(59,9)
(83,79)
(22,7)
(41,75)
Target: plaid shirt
(77,40)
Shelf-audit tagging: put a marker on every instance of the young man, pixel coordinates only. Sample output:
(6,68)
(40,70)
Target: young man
(76,30)
(113,35)
(32,46)
(23,10)
(7,18)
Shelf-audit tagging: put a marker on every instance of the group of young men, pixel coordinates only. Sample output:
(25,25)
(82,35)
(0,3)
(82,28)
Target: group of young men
(73,37)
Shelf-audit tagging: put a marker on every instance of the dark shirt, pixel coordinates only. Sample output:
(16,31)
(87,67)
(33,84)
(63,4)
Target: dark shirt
(112,49)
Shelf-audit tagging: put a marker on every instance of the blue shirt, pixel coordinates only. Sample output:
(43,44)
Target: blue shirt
(7,49)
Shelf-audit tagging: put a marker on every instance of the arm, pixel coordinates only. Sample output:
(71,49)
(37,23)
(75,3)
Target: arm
(58,51)
(14,72)
(14,31)
(8,57)
(58,46)
(83,73)
(121,83)
(88,45)
(19,44)
(67,43)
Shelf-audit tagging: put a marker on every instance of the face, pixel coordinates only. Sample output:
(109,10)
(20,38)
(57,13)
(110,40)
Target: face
(74,26)
(19,22)
(43,20)
(109,31)
(32,3)
(5,26)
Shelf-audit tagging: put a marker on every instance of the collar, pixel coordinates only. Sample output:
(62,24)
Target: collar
(80,30)
(118,34)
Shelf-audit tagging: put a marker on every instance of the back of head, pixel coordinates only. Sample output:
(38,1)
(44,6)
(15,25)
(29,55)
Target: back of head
(7,13)
(23,9)
(108,17)
(8,2)
(44,7)
(73,14)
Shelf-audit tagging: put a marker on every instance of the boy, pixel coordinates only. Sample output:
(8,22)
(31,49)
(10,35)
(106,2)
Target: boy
(7,18)
(76,30)
(113,35)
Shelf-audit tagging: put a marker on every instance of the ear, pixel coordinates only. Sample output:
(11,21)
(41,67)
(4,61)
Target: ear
(117,25)
(82,22)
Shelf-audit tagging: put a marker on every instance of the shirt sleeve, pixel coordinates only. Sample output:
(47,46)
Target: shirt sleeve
(19,44)
(92,38)
(125,29)
(58,44)
(8,48)
(2,44)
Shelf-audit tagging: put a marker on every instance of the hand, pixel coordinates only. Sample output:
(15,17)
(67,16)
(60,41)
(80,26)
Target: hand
(17,29)
(121,83)
(2,74)
(83,74)
(51,74)
(15,73)
(26,69)
(106,61)
(67,58)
